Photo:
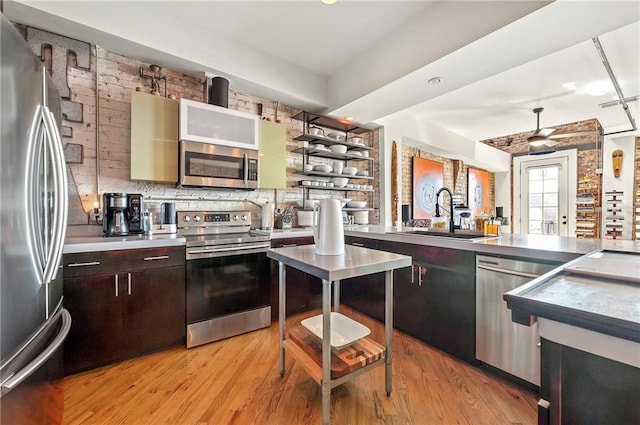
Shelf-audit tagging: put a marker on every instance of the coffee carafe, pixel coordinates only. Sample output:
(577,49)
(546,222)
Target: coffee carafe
(115,221)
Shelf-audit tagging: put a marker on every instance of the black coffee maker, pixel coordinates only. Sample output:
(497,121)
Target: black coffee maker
(115,221)
(122,214)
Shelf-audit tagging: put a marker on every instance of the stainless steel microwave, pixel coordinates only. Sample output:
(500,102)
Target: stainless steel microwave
(217,166)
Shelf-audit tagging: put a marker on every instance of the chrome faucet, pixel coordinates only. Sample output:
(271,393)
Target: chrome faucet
(451,225)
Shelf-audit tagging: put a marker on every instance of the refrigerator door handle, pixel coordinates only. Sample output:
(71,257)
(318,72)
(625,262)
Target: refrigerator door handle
(36,231)
(42,358)
(60,200)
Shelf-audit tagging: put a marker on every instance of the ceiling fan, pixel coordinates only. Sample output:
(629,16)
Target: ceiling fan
(542,141)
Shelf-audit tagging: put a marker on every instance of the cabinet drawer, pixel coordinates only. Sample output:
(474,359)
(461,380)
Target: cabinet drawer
(304,240)
(91,263)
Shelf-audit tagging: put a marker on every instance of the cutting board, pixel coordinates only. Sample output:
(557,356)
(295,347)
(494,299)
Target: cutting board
(361,353)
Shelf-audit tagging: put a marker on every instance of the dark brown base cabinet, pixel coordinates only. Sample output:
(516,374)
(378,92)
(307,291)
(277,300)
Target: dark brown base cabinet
(434,299)
(304,292)
(122,304)
(364,293)
(577,387)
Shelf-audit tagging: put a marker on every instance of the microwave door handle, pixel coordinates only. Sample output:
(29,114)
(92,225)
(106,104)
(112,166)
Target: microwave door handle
(245,158)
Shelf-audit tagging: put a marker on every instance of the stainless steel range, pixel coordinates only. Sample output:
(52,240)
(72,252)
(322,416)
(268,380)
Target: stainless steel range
(228,285)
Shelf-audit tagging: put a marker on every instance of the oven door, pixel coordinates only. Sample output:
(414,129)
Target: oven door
(225,285)
(207,165)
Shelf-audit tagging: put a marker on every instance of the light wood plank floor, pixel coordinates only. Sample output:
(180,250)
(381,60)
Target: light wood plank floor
(236,381)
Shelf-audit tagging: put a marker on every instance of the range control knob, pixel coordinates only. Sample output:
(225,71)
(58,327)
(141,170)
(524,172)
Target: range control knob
(196,218)
(187,218)
(236,218)
(244,217)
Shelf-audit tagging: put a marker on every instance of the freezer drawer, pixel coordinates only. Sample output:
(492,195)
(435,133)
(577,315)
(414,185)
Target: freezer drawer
(32,380)
(508,346)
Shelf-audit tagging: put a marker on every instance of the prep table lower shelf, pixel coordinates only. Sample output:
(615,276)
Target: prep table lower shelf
(307,349)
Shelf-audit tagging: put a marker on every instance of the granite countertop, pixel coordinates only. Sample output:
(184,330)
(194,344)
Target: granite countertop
(90,239)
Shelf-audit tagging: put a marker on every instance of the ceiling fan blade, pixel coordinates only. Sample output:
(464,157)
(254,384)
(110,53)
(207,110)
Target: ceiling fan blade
(550,142)
(545,132)
(575,134)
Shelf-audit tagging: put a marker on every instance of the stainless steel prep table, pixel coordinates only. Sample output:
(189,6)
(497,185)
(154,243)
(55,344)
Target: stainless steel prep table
(356,261)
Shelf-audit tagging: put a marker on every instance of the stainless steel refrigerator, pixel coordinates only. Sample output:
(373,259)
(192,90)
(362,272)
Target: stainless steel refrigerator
(33,218)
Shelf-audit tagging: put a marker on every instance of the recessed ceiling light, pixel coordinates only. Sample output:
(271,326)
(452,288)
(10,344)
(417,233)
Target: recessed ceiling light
(348,118)
(435,80)
(329,1)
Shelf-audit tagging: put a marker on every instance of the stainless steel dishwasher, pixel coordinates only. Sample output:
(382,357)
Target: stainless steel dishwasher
(508,346)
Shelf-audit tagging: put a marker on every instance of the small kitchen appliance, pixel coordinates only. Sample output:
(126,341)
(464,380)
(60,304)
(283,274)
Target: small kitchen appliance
(161,217)
(122,214)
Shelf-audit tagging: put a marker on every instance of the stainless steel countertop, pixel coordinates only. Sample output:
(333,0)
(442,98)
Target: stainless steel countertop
(89,239)
(356,261)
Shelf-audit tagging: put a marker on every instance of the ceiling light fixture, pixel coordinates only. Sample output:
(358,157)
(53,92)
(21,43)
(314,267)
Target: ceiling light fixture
(537,140)
(329,1)
(348,118)
(435,80)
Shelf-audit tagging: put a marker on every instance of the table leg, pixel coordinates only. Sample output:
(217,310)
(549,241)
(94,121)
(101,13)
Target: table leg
(282,284)
(326,351)
(336,295)
(388,326)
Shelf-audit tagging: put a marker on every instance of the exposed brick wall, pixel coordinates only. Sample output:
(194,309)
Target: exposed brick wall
(455,176)
(117,77)
(589,149)
(636,190)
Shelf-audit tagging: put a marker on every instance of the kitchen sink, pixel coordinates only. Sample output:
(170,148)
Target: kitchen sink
(466,236)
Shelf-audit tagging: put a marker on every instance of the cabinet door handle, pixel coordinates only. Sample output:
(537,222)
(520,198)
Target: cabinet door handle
(420,275)
(91,263)
(129,282)
(116,282)
(160,257)
(357,244)
(413,267)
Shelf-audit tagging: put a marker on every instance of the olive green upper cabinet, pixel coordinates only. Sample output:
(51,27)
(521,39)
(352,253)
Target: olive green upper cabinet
(272,165)
(154,138)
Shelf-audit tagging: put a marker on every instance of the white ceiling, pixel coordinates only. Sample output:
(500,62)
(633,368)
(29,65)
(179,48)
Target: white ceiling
(371,59)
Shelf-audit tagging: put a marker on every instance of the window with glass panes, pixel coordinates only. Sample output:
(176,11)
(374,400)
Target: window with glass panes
(543,200)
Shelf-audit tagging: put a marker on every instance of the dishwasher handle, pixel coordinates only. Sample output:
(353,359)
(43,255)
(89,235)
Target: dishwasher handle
(508,271)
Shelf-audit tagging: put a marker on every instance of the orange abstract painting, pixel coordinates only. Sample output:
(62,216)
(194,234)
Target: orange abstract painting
(428,178)
(478,191)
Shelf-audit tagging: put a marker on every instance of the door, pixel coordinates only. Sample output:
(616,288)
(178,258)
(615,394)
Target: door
(95,303)
(154,309)
(544,194)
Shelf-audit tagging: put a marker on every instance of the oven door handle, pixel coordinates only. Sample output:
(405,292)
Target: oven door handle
(235,248)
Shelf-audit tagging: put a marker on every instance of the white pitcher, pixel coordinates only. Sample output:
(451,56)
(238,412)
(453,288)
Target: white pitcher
(328,231)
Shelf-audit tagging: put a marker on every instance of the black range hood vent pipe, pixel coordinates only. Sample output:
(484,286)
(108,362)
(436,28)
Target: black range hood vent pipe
(218,91)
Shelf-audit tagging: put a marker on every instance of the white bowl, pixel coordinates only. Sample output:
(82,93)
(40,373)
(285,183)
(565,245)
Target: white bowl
(306,203)
(363,173)
(316,131)
(344,202)
(350,171)
(355,153)
(336,136)
(356,140)
(361,217)
(357,204)
(338,148)
(306,182)
(365,154)
(323,168)
(308,167)
(339,181)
